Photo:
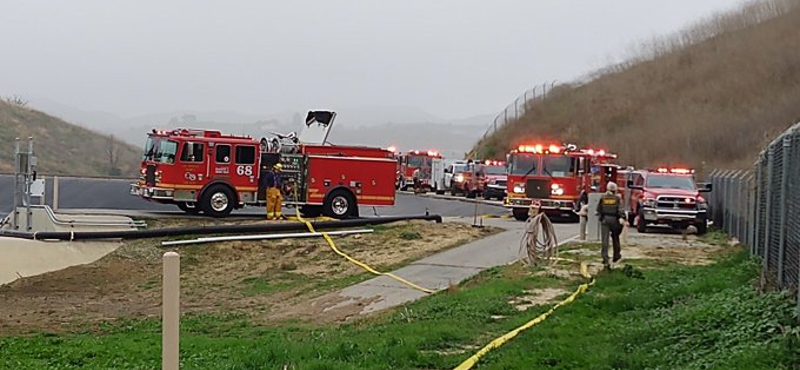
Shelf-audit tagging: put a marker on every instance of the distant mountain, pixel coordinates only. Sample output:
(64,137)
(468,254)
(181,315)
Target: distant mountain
(63,148)
(400,126)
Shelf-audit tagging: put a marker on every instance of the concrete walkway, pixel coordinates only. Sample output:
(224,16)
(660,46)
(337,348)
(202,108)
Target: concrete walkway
(441,270)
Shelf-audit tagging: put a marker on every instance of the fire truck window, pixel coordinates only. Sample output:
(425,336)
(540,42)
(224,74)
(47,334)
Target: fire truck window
(149,148)
(559,166)
(166,152)
(223,154)
(522,164)
(638,180)
(419,161)
(245,155)
(192,152)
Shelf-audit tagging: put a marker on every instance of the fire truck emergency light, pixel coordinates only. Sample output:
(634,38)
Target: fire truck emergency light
(392,149)
(680,171)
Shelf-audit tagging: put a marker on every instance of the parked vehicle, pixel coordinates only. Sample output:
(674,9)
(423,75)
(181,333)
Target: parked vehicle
(495,180)
(667,196)
(555,177)
(214,173)
(427,162)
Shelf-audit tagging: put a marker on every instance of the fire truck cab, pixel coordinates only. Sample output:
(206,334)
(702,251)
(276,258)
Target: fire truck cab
(213,173)
(667,196)
(555,177)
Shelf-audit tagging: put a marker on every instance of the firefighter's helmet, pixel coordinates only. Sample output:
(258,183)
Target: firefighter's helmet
(278,166)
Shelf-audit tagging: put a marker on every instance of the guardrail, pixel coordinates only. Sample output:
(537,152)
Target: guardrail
(761,208)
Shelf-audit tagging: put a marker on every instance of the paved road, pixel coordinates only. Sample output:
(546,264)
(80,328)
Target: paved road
(439,271)
(110,194)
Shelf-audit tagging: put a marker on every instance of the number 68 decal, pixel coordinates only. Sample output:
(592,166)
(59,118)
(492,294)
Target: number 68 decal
(244,170)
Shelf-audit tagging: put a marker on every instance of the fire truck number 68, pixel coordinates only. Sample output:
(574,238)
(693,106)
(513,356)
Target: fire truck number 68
(244,170)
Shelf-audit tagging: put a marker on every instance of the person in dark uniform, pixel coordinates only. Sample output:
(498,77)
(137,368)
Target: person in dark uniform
(609,209)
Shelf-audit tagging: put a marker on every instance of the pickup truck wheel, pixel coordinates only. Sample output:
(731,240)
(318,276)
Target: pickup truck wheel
(641,224)
(702,227)
(471,194)
(340,204)
(217,201)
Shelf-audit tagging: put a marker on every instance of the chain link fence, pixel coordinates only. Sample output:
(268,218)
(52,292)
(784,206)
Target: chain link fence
(761,208)
(519,107)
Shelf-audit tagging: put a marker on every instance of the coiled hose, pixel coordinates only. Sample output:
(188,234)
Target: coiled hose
(539,243)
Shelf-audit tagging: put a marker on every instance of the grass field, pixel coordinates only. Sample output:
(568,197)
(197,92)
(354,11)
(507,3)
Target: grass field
(674,317)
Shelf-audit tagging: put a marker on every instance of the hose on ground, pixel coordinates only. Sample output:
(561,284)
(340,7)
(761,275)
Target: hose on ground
(539,244)
(210,229)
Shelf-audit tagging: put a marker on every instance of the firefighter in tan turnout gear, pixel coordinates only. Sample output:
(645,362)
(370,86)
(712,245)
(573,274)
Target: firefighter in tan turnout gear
(272,183)
(609,209)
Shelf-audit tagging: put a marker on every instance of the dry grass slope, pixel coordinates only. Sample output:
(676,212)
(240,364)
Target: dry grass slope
(715,93)
(62,148)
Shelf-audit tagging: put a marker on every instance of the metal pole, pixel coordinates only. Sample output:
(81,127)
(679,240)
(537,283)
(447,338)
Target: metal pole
(170,329)
(14,211)
(768,203)
(28,183)
(787,147)
(55,193)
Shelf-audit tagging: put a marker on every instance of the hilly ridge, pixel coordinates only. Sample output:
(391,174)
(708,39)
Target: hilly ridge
(63,148)
(711,96)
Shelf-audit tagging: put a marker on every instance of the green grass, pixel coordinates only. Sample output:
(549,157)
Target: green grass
(678,318)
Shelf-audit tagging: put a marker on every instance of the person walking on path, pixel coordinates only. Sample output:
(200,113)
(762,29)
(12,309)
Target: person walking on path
(609,209)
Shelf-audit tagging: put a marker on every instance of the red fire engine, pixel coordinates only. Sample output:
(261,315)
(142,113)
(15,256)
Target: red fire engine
(210,172)
(425,161)
(555,176)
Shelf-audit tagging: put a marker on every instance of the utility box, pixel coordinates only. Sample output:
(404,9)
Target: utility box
(37,188)
(593,222)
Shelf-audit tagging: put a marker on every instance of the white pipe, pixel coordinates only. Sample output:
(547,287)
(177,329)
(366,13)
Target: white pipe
(262,237)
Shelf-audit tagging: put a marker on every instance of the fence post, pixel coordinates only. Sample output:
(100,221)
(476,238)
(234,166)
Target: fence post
(757,206)
(768,207)
(170,327)
(787,147)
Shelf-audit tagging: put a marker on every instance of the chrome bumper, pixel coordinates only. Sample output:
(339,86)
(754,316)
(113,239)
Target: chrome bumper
(151,192)
(672,215)
(546,204)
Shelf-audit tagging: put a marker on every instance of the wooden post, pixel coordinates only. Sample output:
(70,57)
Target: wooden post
(55,193)
(170,329)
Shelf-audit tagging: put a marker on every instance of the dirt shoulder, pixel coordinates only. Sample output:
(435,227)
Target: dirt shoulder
(252,278)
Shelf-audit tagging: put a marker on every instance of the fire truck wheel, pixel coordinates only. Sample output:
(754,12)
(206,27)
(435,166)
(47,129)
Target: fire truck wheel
(472,194)
(218,201)
(340,204)
(192,211)
(520,214)
(311,211)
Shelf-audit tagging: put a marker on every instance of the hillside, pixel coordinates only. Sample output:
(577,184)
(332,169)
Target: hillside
(711,96)
(63,148)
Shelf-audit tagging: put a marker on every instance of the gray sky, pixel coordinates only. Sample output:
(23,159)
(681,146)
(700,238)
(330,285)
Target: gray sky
(453,58)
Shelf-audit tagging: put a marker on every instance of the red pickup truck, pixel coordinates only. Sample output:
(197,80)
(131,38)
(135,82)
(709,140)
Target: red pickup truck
(667,196)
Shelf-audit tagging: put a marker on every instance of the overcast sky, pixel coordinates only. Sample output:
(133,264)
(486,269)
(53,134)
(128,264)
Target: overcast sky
(453,58)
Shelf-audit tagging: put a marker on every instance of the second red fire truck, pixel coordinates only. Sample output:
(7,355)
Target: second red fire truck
(214,173)
(555,176)
(424,161)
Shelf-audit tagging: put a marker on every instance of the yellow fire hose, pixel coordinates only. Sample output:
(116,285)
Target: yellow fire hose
(535,250)
(353,260)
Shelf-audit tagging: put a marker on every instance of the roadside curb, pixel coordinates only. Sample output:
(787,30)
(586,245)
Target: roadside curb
(451,197)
